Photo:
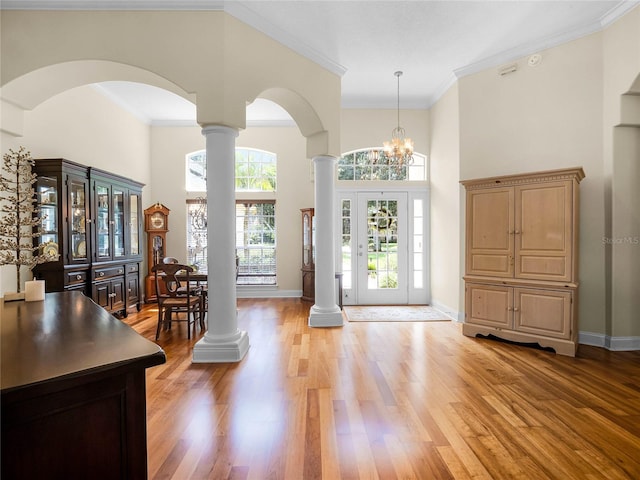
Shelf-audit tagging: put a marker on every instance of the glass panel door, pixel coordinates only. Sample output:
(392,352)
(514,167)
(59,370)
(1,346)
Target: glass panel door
(78,219)
(118,222)
(134,227)
(47,191)
(346,244)
(382,248)
(103,223)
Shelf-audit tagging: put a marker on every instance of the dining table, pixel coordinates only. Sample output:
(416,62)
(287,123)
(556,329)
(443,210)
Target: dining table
(200,280)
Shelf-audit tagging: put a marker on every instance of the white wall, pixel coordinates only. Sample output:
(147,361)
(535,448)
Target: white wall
(81,125)
(447,240)
(370,128)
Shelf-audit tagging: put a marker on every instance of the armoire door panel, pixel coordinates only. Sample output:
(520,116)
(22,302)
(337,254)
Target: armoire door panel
(489,305)
(555,267)
(493,264)
(543,312)
(490,227)
(543,231)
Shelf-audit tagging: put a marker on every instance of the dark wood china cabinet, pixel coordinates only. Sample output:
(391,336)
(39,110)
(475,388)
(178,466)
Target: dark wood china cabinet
(93,220)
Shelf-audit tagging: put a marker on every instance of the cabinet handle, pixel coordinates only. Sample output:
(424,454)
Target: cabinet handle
(515,309)
(101,274)
(517,232)
(78,277)
(120,271)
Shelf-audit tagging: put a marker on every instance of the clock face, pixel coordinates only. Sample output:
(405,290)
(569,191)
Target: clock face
(158,221)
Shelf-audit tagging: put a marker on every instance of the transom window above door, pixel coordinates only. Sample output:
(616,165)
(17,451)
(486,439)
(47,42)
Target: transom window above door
(370,164)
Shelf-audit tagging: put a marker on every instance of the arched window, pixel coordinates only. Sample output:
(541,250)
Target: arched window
(370,164)
(255,171)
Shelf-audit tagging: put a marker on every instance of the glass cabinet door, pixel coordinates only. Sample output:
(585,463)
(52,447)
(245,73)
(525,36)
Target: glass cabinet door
(47,191)
(313,240)
(306,239)
(103,222)
(78,219)
(134,227)
(118,222)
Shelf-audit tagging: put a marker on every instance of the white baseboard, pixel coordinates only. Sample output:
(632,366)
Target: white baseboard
(616,344)
(449,312)
(266,292)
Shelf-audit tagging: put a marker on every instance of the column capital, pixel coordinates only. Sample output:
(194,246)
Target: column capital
(207,129)
(324,158)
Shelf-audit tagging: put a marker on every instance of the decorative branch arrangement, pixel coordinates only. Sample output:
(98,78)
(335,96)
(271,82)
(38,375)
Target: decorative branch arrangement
(18,224)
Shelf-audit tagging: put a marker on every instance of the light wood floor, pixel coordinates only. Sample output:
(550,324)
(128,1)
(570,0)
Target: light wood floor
(387,400)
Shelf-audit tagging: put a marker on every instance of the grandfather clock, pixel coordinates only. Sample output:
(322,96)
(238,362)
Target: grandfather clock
(308,255)
(156,225)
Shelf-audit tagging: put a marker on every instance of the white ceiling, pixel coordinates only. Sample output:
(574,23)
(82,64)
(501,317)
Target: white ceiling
(432,42)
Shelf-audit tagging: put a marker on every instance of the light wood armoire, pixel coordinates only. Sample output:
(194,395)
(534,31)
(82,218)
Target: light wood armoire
(521,274)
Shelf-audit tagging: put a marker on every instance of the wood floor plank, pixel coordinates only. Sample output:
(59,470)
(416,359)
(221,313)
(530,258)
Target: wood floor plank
(386,400)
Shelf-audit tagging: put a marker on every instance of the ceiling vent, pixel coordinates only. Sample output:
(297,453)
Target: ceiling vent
(502,71)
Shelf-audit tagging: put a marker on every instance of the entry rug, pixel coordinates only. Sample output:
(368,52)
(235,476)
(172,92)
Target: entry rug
(393,313)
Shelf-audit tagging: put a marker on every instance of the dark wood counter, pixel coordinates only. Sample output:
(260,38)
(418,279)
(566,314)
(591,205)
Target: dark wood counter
(72,390)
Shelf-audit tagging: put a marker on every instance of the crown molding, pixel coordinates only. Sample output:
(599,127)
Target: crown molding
(441,90)
(212,5)
(248,16)
(618,11)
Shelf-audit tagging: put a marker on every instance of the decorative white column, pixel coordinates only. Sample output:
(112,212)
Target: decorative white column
(325,312)
(223,342)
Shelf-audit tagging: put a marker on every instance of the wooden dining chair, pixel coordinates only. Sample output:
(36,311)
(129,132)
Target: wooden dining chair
(176,296)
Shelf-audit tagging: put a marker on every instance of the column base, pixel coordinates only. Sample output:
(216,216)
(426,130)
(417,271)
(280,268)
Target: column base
(221,350)
(325,318)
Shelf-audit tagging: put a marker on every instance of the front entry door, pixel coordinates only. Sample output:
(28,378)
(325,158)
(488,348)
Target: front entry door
(381,248)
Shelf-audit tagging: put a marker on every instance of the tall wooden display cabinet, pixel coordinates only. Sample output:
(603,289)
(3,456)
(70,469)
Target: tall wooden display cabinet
(92,221)
(521,275)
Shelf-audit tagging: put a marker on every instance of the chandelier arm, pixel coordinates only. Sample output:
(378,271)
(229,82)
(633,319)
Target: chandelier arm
(398,76)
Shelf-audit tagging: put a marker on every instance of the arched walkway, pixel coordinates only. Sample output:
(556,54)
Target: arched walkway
(221,108)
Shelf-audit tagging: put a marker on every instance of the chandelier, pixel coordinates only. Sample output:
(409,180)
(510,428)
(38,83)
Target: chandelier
(399,151)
